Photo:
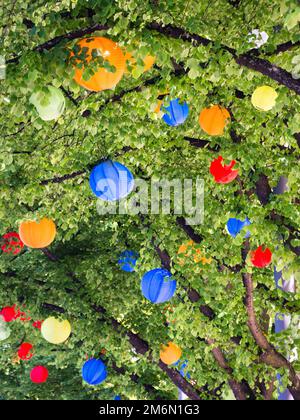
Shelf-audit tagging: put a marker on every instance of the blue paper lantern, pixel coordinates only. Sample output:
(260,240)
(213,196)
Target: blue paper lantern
(183,368)
(94,372)
(158,286)
(117,398)
(128,260)
(234,226)
(176,113)
(111,181)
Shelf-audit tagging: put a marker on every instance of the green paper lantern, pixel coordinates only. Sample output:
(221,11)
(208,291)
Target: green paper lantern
(49,103)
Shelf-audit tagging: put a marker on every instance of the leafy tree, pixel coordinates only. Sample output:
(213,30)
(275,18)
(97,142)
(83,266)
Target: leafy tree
(222,315)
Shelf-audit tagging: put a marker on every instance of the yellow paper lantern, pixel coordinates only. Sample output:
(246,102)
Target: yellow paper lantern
(264,98)
(170,354)
(55,331)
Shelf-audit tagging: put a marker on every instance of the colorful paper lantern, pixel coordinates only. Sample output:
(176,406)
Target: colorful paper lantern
(117,398)
(128,260)
(234,226)
(182,365)
(189,250)
(223,174)
(94,372)
(261,258)
(176,113)
(213,120)
(55,331)
(25,351)
(12,243)
(102,78)
(170,354)
(158,286)
(39,374)
(9,313)
(49,103)
(37,234)
(264,98)
(111,181)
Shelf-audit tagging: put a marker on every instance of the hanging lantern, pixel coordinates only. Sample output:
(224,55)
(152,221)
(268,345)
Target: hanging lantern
(176,113)
(37,234)
(94,372)
(128,260)
(117,398)
(264,98)
(25,351)
(4,329)
(55,331)
(103,78)
(182,365)
(9,313)
(213,120)
(49,103)
(149,61)
(158,286)
(223,174)
(170,354)
(258,38)
(12,243)
(234,226)
(261,258)
(39,374)
(189,250)
(111,181)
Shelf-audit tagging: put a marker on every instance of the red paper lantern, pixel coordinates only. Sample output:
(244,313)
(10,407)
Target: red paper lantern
(9,313)
(223,174)
(261,258)
(12,243)
(25,352)
(39,374)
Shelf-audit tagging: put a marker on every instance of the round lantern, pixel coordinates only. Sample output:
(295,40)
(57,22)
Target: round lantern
(12,243)
(111,181)
(213,120)
(261,258)
(158,286)
(223,174)
(176,113)
(234,226)
(55,331)
(94,372)
(264,98)
(39,374)
(37,234)
(4,329)
(9,313)
(25,351)
(50,104)
(170,354)
(103,78)
(128,260)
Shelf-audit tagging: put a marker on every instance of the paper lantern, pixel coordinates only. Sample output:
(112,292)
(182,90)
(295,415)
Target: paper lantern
(182,365)
(25,351)
(9,313)
(55,331)
(37,234)
(213,120)
(189,250)
(111,181)
(39,374)
(258,38)
(128,260)
(4,329)
(223,174)
(234,226)
(170,354)
(158,286)
(50,104)
(149,61)
(94,372)
(103,78)
(176,113)
(261,258)
(117,398)
(264,98)
(12,243)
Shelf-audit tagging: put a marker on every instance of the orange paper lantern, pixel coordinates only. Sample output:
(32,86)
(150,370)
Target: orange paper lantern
(102,79)
(37,234)
(170,354)
(213,120)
